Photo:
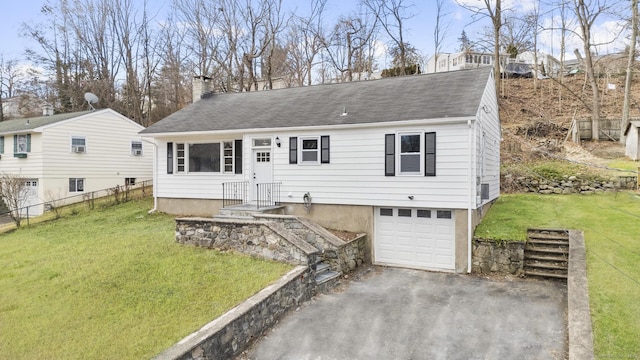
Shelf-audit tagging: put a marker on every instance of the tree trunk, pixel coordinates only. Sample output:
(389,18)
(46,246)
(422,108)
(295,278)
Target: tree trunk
(497,23)
(632,55)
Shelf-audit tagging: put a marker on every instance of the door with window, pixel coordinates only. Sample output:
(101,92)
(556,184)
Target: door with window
(262,173)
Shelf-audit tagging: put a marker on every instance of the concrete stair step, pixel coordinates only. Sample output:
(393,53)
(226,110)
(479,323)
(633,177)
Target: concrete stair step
(554,236)
(322,267)
(546,249)
(234,217)
(546,265)
(545,274)
(326,276)
(555,242)
(557,258)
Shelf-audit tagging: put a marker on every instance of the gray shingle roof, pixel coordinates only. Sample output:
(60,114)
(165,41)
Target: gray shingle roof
(23,124)
(440,95)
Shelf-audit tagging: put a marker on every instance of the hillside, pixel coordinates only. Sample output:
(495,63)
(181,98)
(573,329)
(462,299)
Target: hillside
(536,122)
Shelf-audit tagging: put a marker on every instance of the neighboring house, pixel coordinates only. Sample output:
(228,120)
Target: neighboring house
(412,161)
(67,155)
(460,61)
(632,141)
(547,64)
(21,105)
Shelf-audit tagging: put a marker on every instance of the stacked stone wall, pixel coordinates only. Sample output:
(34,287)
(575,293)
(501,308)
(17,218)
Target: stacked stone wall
(253,238)
(227,336)
(490,256)
(575,184)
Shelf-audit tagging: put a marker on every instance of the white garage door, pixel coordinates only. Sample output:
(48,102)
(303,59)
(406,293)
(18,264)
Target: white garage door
(417,238)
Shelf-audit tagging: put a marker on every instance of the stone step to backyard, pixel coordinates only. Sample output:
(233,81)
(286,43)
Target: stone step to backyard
(546,253)
(545,274)
(553,242)
(552,258)
(545,249)
(545,236)
(546,265)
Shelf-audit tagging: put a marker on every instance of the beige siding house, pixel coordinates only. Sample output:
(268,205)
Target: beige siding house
(67,155)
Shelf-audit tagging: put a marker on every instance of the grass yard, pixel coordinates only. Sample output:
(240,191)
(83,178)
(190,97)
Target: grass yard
(611,226)
(111,283)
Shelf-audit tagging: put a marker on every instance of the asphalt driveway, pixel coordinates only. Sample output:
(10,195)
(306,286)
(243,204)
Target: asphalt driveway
(389,313)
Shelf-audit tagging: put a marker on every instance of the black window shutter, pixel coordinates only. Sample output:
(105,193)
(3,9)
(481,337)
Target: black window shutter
(324,149)
(293,150)
(430,154)
(169,158)
(28,142)
(238,156)
(390,155)
(15,144)
(1,144)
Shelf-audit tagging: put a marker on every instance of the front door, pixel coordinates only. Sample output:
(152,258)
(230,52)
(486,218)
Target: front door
(262,170)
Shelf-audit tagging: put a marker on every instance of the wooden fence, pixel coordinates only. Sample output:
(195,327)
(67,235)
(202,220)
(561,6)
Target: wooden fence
(610,129)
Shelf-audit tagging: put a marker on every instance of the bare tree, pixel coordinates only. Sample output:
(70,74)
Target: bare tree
(493,10)
(305,41)
(631,58)
(274,23)
(15,194)
(392,14)
(346,45)
(587,12)
(440,31)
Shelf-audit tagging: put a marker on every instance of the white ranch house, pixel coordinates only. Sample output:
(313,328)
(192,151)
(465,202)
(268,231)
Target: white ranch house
(412,161)
(67,155)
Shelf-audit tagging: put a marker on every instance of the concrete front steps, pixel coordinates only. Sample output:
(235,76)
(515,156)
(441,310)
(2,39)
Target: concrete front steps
(546,253)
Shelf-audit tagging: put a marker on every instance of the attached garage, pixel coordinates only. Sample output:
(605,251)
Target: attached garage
(416,238)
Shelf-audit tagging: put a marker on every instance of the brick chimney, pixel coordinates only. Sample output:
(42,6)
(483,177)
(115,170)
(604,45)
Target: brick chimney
(47,109)
(202,85)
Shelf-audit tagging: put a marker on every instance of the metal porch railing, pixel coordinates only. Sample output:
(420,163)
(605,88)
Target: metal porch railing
(234,193)
(268,194)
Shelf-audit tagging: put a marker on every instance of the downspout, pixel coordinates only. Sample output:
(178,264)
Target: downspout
(155,175)
(471,194)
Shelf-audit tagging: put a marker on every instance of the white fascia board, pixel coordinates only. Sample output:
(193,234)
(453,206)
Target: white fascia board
(386,124)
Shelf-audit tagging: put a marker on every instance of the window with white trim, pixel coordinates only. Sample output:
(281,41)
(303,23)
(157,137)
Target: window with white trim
(410,146)
(78,144)
(180,156)
(22,143)
(410,154)
(227,154)
(309,150)
(76,184)
(204,157)
(217,157)
(136,148)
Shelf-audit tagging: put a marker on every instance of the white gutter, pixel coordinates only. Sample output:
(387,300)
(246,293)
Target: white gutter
(155,174)
(472,194)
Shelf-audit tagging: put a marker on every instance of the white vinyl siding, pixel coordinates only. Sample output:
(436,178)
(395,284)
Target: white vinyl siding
(355,175)
(487,147)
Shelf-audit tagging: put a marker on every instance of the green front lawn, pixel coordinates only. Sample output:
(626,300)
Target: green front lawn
(611,226)
(111,283)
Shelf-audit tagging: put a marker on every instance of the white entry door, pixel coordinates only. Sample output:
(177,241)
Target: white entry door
(262,169)
(415,238)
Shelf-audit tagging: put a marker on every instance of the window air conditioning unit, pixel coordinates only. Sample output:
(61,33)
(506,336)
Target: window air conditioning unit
(137,152)
(78,148)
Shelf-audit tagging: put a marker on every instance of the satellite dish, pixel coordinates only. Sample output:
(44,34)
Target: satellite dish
(91,99)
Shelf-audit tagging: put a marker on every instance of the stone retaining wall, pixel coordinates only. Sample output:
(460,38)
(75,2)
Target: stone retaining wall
(490,256)
(254,238)
(342,256)
(568,184)
(227,336)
